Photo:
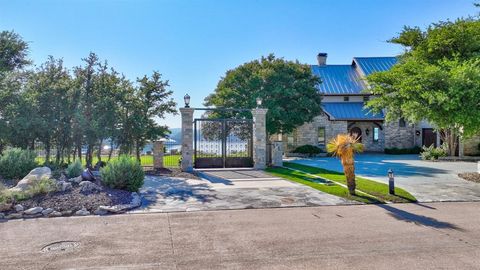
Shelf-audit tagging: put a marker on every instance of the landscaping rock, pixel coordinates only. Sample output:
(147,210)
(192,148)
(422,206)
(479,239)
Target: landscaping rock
(76,180)
(66,213)
(47,211)
(64,186)
(5,207)
(33,211)
(14,216)
(55,214)
(63,178)
(2,215)
(100,212)
(89,187)
(82,212)
(19,208)
(136,200)
(34,176)
(33,216)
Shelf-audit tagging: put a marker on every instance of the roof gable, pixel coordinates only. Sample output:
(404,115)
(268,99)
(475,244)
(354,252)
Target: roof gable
(369,65)
(338,79)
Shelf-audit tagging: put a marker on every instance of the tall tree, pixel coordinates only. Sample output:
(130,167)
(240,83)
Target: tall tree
(287,88)
(13,51)
(437,79)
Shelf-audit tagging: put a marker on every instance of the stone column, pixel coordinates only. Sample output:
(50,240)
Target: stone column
(277,154)
(158,155)
(259,138)
(187,139)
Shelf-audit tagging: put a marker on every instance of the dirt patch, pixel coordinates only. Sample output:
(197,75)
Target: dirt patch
(171,172)
(472,176)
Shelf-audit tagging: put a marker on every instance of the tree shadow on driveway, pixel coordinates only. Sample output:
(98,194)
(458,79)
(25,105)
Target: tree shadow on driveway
(417,219)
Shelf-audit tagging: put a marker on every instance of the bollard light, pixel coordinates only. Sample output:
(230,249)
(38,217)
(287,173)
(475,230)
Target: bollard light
(391,182)
(259,102)
(186,98)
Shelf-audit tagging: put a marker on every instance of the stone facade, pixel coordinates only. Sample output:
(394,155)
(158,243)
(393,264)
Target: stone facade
(158,155)
(277,154)
(370,145)
(259,138)
(399,137)
(187,139)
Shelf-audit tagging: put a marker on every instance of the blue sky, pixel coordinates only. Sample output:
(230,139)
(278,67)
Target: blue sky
(193,43)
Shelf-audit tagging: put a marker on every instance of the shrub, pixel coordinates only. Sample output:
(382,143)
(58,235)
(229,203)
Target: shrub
(17,163)
(403,151)
(74,169)
(44,186)
(433,153)
(308,149)
(123,173)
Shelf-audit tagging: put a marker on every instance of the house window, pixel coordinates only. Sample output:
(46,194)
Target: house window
(366,98)
(401,122)
(291,140)
(346,98)
(376,134)
(321,136)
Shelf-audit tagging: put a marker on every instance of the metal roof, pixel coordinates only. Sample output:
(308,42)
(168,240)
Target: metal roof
(349,111)
(370,65)
(338,79)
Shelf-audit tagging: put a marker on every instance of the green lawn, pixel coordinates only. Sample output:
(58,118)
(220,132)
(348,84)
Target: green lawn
(147,160)
(374,188)
(327,187)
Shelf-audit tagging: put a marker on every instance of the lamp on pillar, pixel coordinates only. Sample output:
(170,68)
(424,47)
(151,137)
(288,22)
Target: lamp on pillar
(259,102)
(186,99)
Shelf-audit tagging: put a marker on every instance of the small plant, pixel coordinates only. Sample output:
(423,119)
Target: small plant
(74,169)
(433,153)
(308,149)
(16,163)
(44,186)
(344,146)
(123,173)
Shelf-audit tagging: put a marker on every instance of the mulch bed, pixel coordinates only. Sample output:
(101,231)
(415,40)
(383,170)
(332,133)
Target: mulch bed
(472,176)
(73,200)
(172,172)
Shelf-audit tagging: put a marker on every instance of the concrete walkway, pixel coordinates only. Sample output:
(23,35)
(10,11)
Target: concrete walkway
(229,189)
(428,181)
(406,236)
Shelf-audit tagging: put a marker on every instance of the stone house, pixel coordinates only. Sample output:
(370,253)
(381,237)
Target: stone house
(344,96)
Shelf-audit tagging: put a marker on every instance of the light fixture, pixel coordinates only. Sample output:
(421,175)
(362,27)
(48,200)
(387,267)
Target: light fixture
(391,182)
(417,132)
(367,131)
(186,98)
(259,102)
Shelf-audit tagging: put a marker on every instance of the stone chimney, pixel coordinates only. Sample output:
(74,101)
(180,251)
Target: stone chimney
(322,59)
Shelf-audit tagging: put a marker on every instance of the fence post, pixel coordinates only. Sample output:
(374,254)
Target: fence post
(277,154)
(259,138)
(158,155)
(187,139)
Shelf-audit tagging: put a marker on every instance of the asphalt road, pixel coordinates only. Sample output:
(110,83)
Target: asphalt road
(406,236)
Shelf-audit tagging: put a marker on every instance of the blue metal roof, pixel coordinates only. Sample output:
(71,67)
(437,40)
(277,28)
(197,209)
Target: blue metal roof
(349,111)
(370,65)
(338,79)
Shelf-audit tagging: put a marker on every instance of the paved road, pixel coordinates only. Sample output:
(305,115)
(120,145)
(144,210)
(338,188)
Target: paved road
(428,181)
(229,189)
(407,236)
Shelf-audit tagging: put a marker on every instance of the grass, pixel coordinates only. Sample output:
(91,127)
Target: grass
(327,187)
(146,160)
(374,188)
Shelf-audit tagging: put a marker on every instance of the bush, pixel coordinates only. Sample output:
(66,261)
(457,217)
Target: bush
(433,153)
(74,169)
(308,149)
(123,173)
(17,163)
(403,151)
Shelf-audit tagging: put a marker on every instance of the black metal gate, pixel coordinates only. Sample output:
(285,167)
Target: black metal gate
(223,143)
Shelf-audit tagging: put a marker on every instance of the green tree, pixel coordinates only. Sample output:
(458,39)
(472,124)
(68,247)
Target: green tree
(287,88)
(13,51)
(437,79)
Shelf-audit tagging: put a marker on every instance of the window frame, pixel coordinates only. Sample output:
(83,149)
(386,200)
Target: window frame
(324,136)
(377,129)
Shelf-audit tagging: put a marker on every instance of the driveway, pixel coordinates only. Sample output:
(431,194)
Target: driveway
(229,189)
(428,181)
(393,236)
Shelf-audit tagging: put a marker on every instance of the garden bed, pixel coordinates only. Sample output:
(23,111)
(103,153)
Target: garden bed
(471,176)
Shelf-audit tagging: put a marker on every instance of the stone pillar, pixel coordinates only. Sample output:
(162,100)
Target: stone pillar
(187,139)
(460,147)
(259,138)
(277,154)
(158,155)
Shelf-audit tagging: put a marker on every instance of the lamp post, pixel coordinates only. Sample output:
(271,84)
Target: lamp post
(186,99)
(259,102)
(391,182)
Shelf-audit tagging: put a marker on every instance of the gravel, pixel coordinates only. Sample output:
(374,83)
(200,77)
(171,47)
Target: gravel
(472,176)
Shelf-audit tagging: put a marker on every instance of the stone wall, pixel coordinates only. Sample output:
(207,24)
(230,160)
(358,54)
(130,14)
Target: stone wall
(367,140)
(470,146)
(399,137)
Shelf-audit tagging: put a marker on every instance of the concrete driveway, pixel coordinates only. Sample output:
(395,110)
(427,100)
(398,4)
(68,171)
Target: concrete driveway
(393,236)
(428,181)
(229,189)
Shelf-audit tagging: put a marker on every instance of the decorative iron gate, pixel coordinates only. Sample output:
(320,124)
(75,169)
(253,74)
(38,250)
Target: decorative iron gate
(223,143)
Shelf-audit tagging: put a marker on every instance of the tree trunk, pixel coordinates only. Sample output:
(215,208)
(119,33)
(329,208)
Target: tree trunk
(47,152)
(99,154)
(349,170)
(111,151)
(57,155)
(89,156)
